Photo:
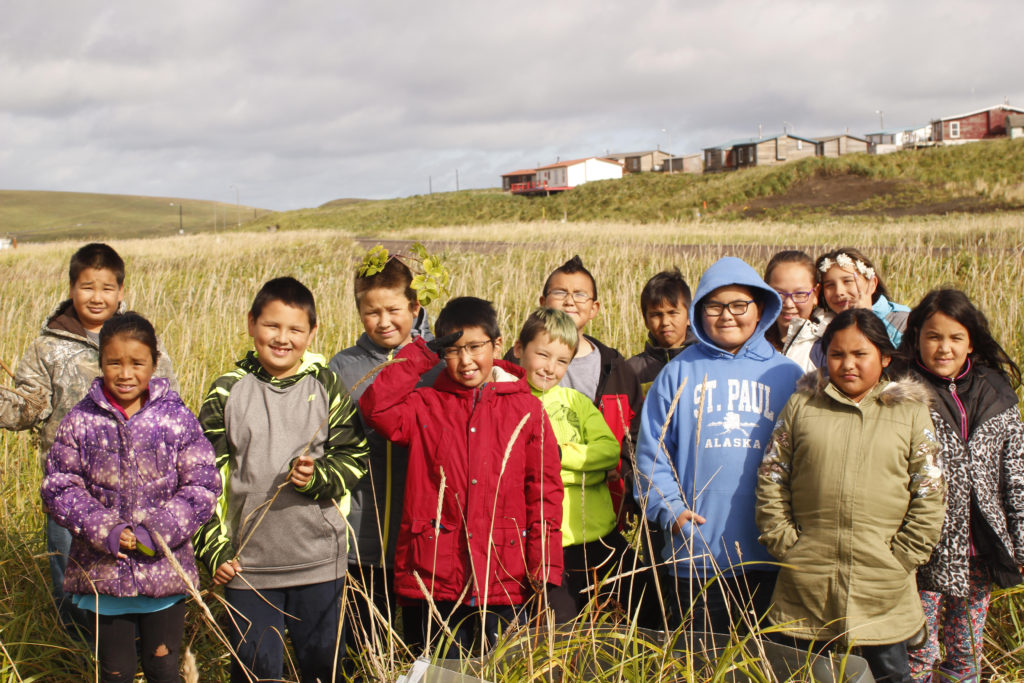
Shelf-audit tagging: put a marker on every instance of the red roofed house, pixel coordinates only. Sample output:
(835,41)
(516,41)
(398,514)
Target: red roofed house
(983,124)
(565,175)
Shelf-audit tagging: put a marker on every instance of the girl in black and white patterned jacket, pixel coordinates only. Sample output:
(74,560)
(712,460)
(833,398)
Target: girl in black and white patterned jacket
(947,344)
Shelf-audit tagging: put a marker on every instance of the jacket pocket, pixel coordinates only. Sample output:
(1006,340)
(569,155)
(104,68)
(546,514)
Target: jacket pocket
(508,554)
(433,547)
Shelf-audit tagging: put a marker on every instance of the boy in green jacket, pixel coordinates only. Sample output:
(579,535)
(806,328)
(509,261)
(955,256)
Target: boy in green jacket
(592,544)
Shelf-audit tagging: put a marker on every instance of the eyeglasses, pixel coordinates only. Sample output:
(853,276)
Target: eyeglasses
(713,309)
(578,297)
(472,349)
(795,297)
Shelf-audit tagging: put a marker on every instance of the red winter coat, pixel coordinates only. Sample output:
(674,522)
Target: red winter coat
(457,438)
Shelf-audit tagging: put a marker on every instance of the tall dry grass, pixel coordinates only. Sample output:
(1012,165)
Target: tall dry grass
(196,290)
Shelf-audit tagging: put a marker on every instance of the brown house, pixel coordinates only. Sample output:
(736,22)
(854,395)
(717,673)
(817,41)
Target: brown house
(769,151)
(641,162)
(841,145)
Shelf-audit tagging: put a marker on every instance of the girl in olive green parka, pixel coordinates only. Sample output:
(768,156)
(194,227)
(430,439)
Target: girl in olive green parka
(851,501)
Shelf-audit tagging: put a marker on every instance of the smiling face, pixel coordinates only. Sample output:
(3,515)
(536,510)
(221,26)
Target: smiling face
(572,285)
(792,281)
(854,364)
(944,345)
(667,322)
(280,336)
(730,331)
(473,358)
(387,316)
(845,289)
(96,297)
(544,359)
(127,365)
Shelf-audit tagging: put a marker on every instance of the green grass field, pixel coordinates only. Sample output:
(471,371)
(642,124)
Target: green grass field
(46,216)
(196,289)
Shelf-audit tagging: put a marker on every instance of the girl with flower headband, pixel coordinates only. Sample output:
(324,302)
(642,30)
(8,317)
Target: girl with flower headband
(849,280)
(948,346)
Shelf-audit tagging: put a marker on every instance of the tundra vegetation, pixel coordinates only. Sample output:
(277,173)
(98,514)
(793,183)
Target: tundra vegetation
(196,289)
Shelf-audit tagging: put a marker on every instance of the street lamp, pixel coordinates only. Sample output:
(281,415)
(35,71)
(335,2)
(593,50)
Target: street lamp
(180,228)
(881,119)
(238,206)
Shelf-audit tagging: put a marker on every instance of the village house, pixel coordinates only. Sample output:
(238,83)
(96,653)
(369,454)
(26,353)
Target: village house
(762,151)
(688,163)
(895,139)
(982,124)
(841,145)
(561,176)
(641,162)
(1015,125)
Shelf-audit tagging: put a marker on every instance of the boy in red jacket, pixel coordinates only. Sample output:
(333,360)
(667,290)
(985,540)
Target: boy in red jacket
(482,517)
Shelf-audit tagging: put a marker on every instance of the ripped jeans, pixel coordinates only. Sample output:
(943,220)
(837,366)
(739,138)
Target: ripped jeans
(160,633)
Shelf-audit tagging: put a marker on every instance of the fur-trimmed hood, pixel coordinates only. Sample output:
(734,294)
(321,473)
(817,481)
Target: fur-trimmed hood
(905,389)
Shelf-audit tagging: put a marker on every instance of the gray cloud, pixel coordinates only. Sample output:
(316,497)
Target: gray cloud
(302,102)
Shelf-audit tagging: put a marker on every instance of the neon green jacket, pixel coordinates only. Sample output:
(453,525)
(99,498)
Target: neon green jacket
(589,450)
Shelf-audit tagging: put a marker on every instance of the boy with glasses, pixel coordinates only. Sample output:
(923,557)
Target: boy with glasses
(481,523)
(597,371)
(696,474)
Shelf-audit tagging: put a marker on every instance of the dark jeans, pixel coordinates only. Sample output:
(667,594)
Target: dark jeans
(160,633)
(888,663)
(313,621)
(726,604)
(364,627)
(465,622)
(589,563)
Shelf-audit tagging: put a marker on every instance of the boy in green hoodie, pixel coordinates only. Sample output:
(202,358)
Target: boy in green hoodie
(592,544)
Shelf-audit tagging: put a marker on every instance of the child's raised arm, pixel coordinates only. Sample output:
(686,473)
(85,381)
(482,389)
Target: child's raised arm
(389,404)
(913,543)
(346,452)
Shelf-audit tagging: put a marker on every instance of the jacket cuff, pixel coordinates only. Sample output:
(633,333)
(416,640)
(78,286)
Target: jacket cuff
(144,542)
(114,539)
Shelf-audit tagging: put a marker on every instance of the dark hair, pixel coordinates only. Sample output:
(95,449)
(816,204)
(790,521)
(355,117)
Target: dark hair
(132,325)
(869,324)
(288,291)
(800,258)
(395,275)
(667,286)
(958,306)
(558,325)
(99,256)
(573,265)
(856,255)
(467,311)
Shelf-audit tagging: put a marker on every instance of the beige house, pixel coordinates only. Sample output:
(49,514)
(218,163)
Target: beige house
(763,151)
(841,145)
(641,162)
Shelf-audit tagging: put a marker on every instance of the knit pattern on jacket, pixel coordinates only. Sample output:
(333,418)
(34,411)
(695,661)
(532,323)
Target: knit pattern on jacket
(57,371)
(154,471)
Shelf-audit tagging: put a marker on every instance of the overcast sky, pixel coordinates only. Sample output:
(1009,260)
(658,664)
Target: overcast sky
(297,103)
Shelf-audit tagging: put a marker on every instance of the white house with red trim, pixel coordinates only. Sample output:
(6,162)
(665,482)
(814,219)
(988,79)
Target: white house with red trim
(563,175)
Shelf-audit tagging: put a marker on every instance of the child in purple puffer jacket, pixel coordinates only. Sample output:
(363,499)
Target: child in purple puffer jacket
(129,466)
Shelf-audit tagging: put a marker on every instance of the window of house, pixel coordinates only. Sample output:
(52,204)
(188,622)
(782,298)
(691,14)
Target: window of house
(799,144)
(954,129)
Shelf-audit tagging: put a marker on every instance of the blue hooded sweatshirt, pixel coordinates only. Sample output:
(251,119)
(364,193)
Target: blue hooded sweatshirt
(716,438)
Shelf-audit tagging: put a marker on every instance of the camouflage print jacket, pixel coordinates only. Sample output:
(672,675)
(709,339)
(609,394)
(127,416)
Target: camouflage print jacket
(57,370)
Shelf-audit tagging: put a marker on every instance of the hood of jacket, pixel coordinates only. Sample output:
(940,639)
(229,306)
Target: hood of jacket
(63,321)
(734,271)
(906,389)
(159,388)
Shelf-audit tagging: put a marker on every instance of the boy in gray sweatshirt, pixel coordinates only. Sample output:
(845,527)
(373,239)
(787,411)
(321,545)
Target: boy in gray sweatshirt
(289,448)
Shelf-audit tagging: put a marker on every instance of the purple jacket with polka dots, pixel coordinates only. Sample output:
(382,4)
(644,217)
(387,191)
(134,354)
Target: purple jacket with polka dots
(154,473)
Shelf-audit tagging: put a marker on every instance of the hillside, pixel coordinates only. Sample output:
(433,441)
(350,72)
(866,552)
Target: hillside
(982,177)
(33,216)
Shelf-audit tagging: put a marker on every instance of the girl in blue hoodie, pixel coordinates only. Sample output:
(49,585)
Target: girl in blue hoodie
(705,424)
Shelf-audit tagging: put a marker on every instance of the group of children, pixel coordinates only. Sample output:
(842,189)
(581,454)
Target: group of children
(471,491)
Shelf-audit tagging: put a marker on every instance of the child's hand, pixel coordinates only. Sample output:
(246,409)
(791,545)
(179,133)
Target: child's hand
(684,517)
(226,572)
(126,542)
(439,345)
(612,476)
(302,471)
